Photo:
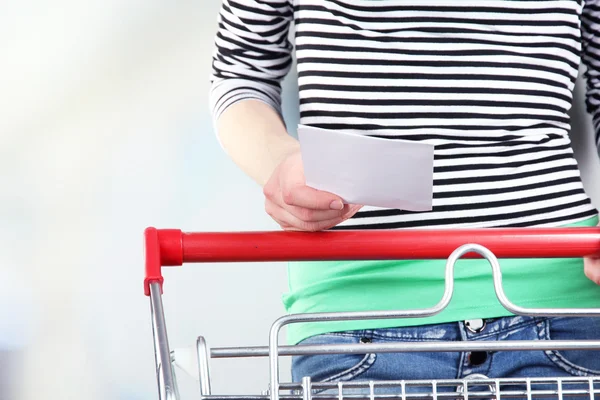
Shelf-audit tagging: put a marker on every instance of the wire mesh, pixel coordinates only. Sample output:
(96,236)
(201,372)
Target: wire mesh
(480,388)
(456,389)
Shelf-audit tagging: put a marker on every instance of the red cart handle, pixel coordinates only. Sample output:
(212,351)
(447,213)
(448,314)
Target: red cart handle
(172,247)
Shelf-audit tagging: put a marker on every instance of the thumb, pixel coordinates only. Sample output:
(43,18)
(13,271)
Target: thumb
(591,268)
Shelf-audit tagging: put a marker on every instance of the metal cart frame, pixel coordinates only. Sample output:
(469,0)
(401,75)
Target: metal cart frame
(172,247)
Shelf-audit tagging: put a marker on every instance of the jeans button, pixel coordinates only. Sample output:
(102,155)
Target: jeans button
(475,325)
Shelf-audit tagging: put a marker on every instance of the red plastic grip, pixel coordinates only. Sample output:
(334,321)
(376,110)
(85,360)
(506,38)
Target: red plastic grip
(153,263)
(164,247)
(172,247)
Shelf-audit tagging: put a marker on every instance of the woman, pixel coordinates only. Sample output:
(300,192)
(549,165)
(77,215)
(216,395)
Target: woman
(489,83)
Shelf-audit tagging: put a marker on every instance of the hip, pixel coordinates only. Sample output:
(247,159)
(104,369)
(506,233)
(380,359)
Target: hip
(456,365)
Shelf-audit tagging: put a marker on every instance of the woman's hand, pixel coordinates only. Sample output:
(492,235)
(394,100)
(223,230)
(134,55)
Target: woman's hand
(592,268)
(295,206)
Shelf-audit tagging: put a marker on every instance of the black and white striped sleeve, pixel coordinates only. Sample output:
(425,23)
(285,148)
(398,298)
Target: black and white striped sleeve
(252,53)
(590,31)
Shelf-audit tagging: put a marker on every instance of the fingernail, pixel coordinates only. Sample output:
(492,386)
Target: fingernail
(336,205)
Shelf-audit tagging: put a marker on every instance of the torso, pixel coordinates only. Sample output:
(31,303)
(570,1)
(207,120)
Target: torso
(489,83)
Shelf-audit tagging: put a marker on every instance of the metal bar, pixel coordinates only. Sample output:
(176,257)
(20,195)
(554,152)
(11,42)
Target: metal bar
(403,387)
(203,368)
(425,396)
(377,245)
(497,388)
(560,390)
(306,388)
(249,397)
(580,380)
(303,350)
(167,386)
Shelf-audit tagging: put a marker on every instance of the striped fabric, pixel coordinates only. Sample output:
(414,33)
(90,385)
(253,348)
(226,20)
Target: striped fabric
(489,83)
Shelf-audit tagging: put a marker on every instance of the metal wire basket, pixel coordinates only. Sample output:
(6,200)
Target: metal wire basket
(170,247)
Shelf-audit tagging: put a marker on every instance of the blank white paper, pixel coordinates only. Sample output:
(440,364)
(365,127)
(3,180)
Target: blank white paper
(368,171)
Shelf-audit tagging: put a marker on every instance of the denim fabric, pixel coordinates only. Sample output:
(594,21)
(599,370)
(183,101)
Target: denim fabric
(412,366)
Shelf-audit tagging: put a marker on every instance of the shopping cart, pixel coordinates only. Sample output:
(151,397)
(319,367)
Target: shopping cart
(169,247)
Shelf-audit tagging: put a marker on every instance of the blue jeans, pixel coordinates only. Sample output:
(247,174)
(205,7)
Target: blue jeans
(427,366)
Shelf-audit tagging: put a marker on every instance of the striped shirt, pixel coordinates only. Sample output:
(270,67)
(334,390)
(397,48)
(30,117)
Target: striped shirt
(488,82)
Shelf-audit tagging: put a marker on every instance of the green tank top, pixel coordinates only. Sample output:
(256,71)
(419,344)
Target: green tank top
(408,284)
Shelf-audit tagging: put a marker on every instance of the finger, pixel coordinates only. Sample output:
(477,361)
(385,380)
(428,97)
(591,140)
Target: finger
(351,210)
(270,190)
(314,226)
(273,210)
(290,222)
(282,224)
(310,215)
(307,197)
(592,269)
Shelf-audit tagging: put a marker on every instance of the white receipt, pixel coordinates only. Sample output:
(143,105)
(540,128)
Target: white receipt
(368,171)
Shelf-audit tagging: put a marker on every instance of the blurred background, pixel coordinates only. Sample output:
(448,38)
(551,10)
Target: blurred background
(105,130)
